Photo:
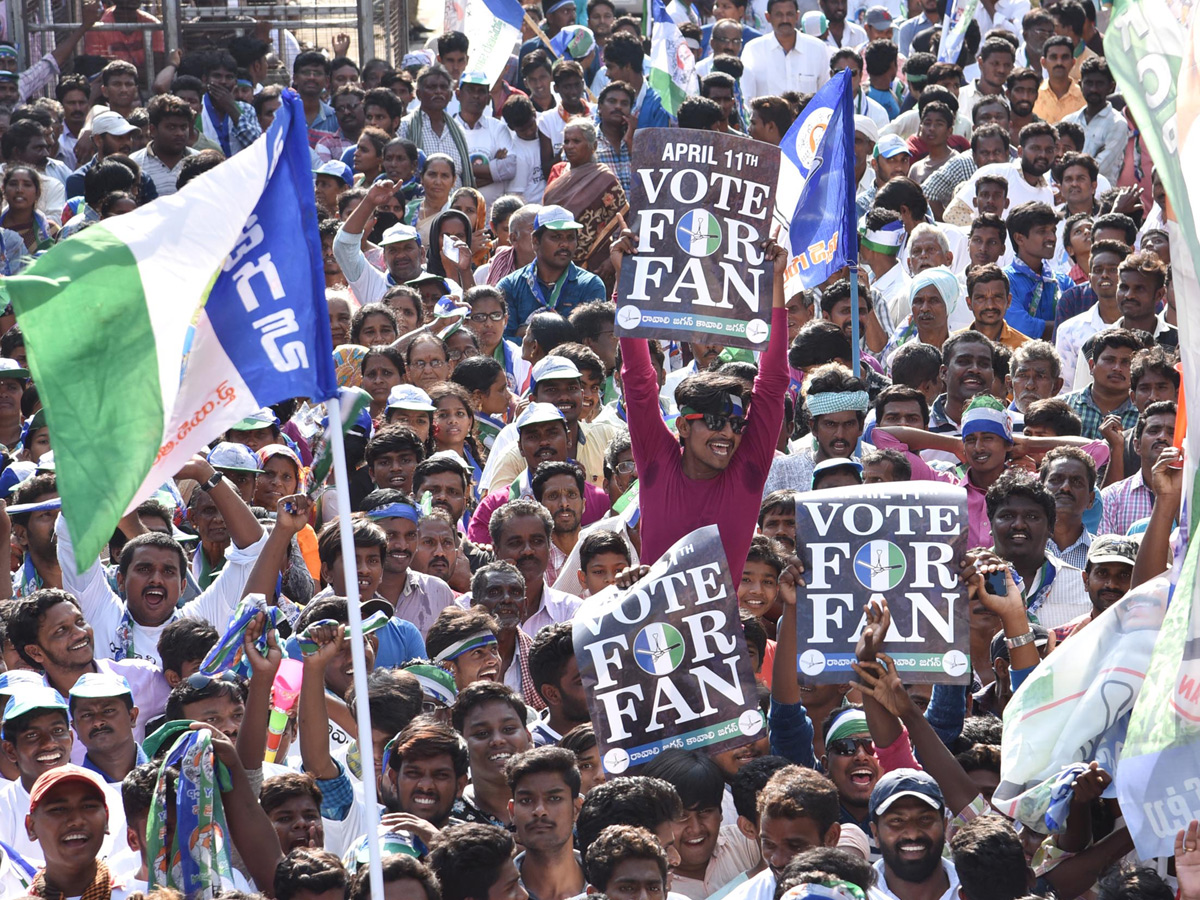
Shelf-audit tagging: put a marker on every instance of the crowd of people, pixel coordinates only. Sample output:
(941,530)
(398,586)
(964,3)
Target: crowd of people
(1017,338)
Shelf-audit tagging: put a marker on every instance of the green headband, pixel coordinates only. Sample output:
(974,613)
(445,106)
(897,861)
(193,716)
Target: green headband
(851,723)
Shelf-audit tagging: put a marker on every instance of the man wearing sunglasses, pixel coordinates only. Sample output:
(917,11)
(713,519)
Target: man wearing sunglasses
(851,765)
(713,468)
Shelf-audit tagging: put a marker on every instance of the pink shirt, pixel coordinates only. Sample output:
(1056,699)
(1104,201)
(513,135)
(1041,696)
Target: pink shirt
(674,505)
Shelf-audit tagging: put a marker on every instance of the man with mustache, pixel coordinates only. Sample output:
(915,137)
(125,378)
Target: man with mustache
(1107,576)
(544,435)
(520,532)
(1101,313)
(1069,474)
(103,716)
(545,786)
(908,818)
(1132,499)
(1110,354)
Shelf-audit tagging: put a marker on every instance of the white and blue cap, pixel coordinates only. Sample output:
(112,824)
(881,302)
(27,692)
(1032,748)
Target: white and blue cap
(10,368)
(836,463)
(337,169)
(450,307)
(474,78)
(263,418)
(232,457)
(45,462)
(18,679)
(573,42)
(97,685)
(890,145)
(537,413)
(16,473)
(551,368)
(986,414)
(398,234)
(409,396)
(31,697)
(555,218)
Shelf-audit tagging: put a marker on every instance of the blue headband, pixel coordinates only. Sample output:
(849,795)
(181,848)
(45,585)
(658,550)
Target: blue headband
(395,511)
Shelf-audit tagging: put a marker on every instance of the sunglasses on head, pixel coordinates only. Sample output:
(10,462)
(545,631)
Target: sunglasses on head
(198,681)
(850,746)
(718,421)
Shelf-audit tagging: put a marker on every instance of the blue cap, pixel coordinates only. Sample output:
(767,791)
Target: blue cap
(17,679)
(474,78)
(900,783)
(232,457)
(95,685)
(16,473)
(837,462)
(890,145)
(337,169)
(31,697)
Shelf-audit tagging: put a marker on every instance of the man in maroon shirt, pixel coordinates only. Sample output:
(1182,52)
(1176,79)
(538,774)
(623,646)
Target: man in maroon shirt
(714,470)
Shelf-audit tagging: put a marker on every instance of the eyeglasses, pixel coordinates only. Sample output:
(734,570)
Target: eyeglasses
(458,355)
(850,746)
(480,318)
(421,365)
(198,681)
(628,467)
(718,421)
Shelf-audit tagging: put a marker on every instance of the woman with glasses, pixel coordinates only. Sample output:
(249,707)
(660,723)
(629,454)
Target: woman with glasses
(488,319)
(427,361)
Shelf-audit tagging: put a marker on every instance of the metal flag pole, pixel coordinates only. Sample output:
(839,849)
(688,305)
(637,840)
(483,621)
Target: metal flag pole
(362,705)
(852,238)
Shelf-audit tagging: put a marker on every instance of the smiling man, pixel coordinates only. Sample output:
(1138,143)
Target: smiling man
(426,773)
(1104,311)
(988,297)
(35,736)
(908,820)
(545,786)
(69,817)
(559,486)
(392,455)
(851,765)
(415,596)
(1022,515)
(491,718)
(1035,287)
(1141,289)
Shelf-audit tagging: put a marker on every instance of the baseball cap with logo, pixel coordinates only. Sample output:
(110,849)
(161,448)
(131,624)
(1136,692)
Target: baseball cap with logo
(900,783)
(891,145)
(537,413)
(409,396)
(1112,548)
(262,418)
(878,18)
(10,368)
(98,685)
(555,218)
(109,122)
(337,169)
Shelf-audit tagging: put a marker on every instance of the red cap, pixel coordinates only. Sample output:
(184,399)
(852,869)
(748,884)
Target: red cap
(60,774)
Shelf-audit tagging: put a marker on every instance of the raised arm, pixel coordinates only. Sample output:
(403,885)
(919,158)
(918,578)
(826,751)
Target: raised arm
(291,515)
(244,529)
(252,736)
(314,742)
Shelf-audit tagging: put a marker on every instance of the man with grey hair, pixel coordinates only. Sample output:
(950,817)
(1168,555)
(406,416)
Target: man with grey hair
(520,251)
(432,130)
(930,246)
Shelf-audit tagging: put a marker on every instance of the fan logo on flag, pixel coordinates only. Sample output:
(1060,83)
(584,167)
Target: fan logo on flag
(698,233)
(808,141)
(658,649)
(879,565)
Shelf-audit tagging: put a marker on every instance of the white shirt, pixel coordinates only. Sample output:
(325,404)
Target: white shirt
(1008,16)
(872,109)
(105,611)
(488,136)
(881,885)
(906,124)
(1072,335)
(528,180)
(1019,190)
(852,36)
(760,887)
(769,69)
(1104,138)
(556,606)
(14,806)
(1068,595)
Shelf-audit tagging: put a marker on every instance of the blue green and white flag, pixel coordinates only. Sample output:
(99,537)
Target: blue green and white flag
(672,64)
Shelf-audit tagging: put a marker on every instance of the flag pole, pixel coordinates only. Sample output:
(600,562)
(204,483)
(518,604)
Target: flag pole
(362,704)
(852,239)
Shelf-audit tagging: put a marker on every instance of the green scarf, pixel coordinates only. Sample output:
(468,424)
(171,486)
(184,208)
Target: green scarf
(416,126)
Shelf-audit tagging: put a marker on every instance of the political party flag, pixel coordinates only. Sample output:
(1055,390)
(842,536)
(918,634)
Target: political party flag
(494,28)
(1075,706)
(814,201)
(353,402)
(151,333)
(959,15)
(672,65)
(1155,63)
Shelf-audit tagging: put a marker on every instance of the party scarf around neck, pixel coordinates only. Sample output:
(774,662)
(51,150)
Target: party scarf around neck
(199,865)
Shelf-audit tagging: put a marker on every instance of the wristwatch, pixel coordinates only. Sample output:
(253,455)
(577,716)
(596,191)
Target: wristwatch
(1020,640)
(216,479)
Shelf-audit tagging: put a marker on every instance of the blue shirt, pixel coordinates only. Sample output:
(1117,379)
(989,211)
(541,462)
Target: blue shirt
(1034,296)
(652,114)
(886,99)
(326,120)
(579,287)
(75,184)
